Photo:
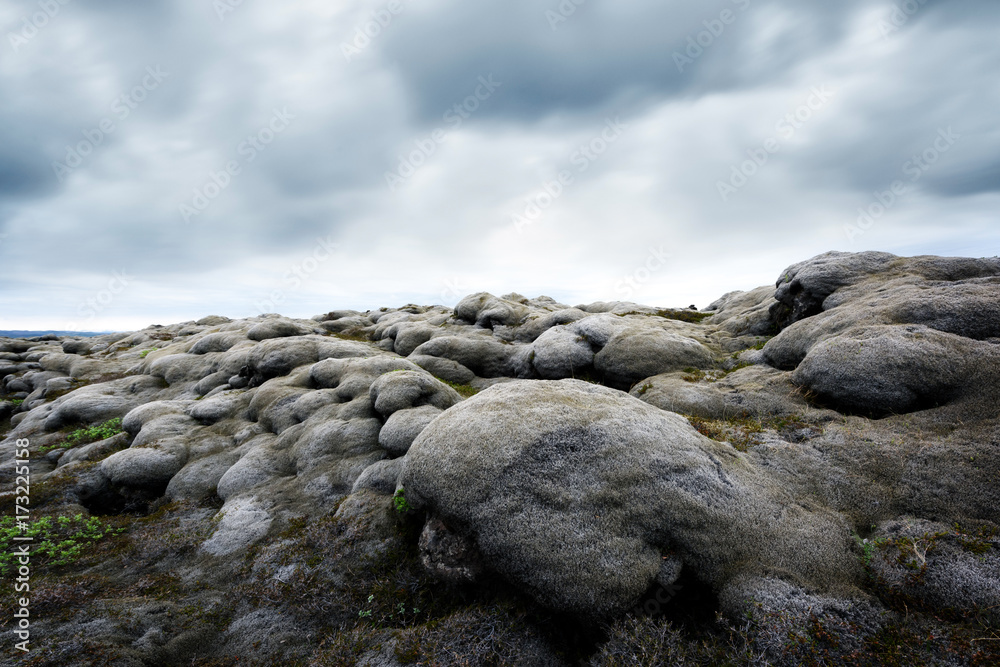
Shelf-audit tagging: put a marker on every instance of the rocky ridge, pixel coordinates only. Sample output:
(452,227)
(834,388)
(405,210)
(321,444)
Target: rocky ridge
(805,472)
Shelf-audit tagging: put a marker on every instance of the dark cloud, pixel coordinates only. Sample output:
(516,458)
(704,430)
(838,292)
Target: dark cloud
(971,181)
(600,55)
(22,174)
(449,218)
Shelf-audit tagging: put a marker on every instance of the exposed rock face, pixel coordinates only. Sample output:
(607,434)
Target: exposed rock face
(313,474)
(804,287)
(449,555)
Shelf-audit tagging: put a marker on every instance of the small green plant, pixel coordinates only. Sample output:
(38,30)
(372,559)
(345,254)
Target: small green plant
(54,541)
(82,436)
(108,429)
(398,612)
(399,501)
(142,355)
(367,613)
(17,401)
(869,547)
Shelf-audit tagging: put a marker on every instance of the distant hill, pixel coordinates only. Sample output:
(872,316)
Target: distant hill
(35,334)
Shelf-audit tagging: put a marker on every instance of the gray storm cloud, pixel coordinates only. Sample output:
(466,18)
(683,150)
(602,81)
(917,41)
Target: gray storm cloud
(141,138)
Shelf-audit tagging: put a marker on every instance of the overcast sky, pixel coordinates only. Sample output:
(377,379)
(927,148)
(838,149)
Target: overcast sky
(162,161)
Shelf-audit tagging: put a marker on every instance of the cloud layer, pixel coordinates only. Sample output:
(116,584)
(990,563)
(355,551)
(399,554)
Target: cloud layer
(238,157)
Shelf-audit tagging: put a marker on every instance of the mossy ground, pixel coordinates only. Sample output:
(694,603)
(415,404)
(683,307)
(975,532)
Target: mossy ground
(464,390)
(692,316)
(357,335)
(349,600)
(910,639)
(345,599)
(744,431)
(682,315)
(387,602)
